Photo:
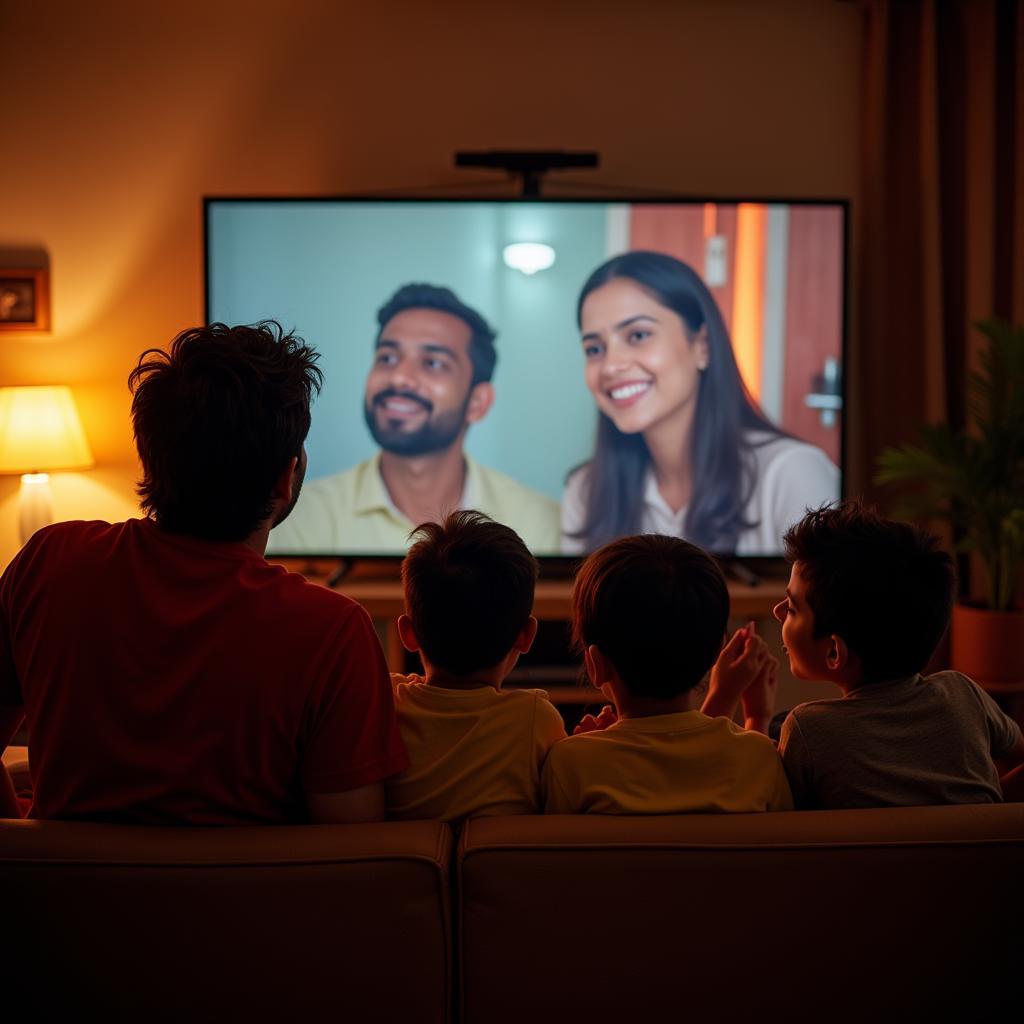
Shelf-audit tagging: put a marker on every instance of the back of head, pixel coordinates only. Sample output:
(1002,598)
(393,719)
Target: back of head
(657,608)
(469,585)
(885,587)
(482,352)
(217,419)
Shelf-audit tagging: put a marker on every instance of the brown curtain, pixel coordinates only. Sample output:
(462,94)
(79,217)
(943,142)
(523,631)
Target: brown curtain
(941,222)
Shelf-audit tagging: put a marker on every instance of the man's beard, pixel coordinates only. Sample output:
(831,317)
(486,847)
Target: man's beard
(300,475)
(437,434)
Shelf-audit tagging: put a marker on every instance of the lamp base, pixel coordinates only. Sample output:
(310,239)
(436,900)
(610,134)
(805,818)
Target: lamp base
(35,504)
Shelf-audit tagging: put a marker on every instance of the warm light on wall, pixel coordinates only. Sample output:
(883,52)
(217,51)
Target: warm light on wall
(39,431)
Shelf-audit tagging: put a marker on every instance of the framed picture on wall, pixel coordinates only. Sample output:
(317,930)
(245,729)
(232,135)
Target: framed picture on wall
(24,300)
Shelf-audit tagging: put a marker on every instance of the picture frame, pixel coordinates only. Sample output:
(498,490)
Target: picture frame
(24,299)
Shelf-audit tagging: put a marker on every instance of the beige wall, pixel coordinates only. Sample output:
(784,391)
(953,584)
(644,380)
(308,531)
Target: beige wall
(119,117)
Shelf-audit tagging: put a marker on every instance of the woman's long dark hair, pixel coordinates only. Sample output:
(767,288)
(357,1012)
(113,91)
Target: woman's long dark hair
(723,480)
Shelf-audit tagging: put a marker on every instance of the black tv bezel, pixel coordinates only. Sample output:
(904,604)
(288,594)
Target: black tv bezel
(553,564)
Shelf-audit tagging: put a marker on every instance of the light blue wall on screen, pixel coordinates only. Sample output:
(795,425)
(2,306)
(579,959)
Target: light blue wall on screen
(325,268)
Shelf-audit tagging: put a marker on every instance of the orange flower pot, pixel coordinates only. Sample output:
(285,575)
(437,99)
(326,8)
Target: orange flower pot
(988,646)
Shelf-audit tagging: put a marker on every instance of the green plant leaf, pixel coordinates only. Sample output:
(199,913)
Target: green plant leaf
(975,478)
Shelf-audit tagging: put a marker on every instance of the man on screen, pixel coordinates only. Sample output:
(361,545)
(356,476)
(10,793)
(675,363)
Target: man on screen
(430,379)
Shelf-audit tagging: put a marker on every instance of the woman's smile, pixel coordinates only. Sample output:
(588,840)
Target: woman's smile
(629,392)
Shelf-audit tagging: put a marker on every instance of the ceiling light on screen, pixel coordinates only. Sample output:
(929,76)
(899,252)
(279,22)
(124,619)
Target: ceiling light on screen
(529,257)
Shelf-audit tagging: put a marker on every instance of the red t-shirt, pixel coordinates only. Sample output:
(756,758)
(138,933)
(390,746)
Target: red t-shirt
(171,680)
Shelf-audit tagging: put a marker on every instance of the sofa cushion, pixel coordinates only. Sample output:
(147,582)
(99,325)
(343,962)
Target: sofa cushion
(311,922)
(827,915)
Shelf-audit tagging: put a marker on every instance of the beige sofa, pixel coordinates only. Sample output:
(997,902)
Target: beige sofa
(869,915)
(250,924)
(894,914)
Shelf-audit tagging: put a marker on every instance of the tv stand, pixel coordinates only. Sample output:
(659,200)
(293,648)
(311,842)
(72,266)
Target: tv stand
(344,567)
(741,574)
(376,585)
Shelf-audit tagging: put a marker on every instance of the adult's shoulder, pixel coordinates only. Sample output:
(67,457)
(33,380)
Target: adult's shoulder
(497,483)
(62,541)
(80,531)
(574,510)
(320,622)
(791,476)
(777,451)
(301,596)
(325,504)
(577,480)
(532,514)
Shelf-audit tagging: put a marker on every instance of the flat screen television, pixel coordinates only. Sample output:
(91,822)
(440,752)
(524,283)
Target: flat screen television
(661,366)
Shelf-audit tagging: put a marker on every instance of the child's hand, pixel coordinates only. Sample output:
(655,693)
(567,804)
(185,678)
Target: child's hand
(737,667)
(759,697)
(588,723)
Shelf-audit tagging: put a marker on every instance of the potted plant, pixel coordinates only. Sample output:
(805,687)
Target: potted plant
(974,478)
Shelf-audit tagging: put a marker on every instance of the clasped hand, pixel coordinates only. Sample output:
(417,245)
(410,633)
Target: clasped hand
(744,670)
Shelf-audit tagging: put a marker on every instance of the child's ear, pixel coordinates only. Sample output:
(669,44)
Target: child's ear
(407,634)
(837,657)
(601,672)
(526,635)
(598,666)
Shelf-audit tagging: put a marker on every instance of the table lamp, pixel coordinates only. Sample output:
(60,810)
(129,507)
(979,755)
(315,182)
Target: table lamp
(39,431)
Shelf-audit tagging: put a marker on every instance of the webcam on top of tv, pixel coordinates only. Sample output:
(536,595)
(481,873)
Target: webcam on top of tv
(528,165)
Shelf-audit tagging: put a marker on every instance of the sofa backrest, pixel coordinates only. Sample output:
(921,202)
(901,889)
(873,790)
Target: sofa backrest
(888,914)
(829,915)
(289,923)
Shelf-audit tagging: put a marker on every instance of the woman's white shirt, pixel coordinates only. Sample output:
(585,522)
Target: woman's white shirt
(790,477)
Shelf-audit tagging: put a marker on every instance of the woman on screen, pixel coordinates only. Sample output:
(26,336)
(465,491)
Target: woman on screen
(682,448)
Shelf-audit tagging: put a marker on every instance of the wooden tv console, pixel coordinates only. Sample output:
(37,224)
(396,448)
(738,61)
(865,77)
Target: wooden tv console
(377,588)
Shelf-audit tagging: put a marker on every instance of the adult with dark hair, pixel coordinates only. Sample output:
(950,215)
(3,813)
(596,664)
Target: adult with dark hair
(430,381)
(682,448)
(168,674)
(867,603)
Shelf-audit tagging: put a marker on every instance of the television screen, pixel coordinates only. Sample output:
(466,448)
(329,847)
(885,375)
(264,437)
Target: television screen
(579,370)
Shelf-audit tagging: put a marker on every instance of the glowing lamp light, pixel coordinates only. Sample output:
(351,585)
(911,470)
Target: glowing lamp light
(40,431)
(529,257)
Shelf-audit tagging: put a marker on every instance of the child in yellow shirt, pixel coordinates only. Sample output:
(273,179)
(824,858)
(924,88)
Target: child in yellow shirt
(649,614)
(474,749)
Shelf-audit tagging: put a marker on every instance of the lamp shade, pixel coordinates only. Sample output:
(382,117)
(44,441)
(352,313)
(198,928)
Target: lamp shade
(40,431)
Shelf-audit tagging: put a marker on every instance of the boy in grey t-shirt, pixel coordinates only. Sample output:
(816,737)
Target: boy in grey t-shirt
(868,601)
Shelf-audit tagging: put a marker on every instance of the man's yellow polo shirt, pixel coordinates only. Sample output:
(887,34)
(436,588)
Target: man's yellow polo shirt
(352,512)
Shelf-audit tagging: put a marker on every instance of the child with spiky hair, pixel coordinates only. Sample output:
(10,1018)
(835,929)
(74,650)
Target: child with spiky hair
(867,603)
